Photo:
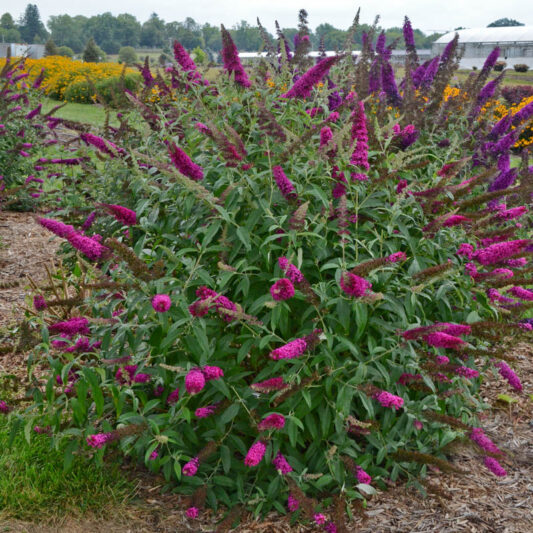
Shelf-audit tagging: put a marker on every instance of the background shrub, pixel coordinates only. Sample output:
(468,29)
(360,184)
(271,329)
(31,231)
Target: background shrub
(499,66)
(246,211)
(521,67)
(127,55)
(80,92)
(514,94)
(65,51)
(112,89)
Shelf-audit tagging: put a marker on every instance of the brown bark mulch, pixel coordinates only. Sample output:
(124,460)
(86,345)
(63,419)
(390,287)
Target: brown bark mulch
(476,502)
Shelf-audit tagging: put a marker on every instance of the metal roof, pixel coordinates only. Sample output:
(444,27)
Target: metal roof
(252,55)
(490,35)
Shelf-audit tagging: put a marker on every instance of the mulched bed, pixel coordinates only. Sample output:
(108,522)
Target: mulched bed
(25,249)
(476,502)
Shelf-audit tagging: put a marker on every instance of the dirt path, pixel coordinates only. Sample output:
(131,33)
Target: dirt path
(477,502)
(24,251)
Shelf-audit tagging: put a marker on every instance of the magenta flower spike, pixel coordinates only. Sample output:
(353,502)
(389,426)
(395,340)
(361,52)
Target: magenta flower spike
(184,163)
(232,63)
(303,86)
(255,454)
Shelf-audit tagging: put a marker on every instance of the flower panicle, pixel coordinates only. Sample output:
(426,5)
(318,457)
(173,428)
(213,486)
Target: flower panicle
(425,458)
(303,86)
(232,63)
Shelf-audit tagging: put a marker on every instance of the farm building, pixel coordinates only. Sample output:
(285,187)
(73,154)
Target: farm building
(398,56)
(33,51)
(515,43)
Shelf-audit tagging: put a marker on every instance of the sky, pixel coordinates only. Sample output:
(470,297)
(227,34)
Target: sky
(427,15)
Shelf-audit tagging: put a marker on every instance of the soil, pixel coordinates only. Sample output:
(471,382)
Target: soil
(476,502)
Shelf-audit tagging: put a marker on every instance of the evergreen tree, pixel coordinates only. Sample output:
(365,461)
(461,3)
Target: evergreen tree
(91,54)
(8,29)
(7,22)
(50,48)
(31,27)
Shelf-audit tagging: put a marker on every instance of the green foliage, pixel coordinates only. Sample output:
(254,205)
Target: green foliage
(80,92)
(109,90)
(504,22)
(226,234)
(50,48)
(127,55)
(92,53)
(199,56)
(65,51)
(31,28)
(112,89)
(20,140)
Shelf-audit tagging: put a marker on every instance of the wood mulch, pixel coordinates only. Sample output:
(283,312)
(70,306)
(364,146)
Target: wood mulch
(25,252)
(476,502)
(25,249)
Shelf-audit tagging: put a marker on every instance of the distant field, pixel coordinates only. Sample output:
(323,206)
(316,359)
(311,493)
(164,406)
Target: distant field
(152,56)
(511,76)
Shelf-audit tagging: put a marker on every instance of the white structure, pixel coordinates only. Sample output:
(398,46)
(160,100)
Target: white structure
(398,56)
(515,43)
(33,51)
(253,56)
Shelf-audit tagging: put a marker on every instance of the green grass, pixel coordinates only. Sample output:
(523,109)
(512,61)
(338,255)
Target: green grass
(34,487)
(511,76)
(87,113)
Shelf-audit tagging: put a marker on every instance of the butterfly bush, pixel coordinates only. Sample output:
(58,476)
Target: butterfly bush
(309,319)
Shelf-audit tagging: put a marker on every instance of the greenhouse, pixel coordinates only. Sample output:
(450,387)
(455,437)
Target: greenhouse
(515,43)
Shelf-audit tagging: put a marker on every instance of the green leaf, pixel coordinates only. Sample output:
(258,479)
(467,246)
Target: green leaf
(367,489)
(225,456)
(68,457)
(506,398)
(244,237)
(224,481)
(230,413)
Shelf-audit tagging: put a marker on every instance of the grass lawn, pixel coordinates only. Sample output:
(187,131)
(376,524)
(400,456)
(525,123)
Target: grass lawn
(511,76)
(88,113)
(34,486)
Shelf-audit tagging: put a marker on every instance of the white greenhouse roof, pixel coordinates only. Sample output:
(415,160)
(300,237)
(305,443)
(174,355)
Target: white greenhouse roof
(490,35)
(253,55)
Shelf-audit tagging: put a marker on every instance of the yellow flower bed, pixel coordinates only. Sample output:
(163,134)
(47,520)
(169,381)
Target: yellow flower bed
(60,72)
(498,109)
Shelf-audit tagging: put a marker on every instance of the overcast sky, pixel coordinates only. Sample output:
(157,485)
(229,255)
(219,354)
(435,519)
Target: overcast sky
(427,15)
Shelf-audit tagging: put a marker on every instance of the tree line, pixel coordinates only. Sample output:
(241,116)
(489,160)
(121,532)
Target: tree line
(111,33)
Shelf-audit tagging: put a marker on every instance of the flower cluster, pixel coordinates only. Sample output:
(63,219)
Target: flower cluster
(290,350)
(284,183)
(184,163)
(161,303)
(127,216)
(354,285)
(209,299)
(283,289)
(255,454)
(386,399)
